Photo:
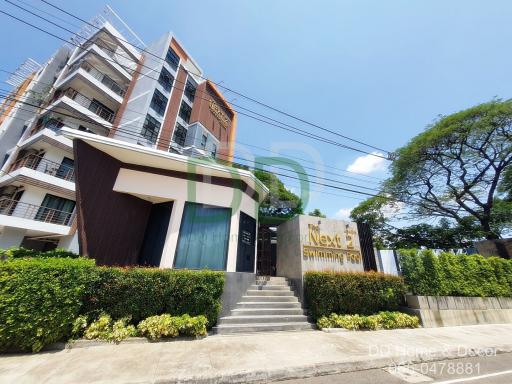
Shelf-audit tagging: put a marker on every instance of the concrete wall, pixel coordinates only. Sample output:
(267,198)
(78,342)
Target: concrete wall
(449,311)
(235,286)
(501,248)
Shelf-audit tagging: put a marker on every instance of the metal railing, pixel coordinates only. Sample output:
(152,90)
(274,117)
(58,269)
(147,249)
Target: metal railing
(98,75)
(16,208)
(92,105)
(50,122)
(52,168)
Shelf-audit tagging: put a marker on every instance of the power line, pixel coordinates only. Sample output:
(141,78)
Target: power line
(133,134)
(294,130)
(229,89)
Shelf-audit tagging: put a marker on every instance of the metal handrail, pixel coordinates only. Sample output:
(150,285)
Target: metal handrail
(88,103)
(52,168)
(98,75)
(17,208)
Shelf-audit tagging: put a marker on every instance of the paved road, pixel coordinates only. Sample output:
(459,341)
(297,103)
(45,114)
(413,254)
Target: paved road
(477,370)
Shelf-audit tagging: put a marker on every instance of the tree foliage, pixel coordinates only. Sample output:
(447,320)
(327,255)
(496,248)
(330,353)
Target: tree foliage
(454,168)
(280,202)
(317,213)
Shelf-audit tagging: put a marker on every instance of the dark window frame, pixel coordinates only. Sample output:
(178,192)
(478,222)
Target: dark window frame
(166,80)
(180,134)
(150,129)
(185,111)
(172,58)
(159,102)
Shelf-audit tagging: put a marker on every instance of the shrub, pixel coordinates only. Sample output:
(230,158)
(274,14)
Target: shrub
(106,329)
(456,275)
(39,299)
(19,252)
(351,292)
(382,320)
(163,326)
(145,292)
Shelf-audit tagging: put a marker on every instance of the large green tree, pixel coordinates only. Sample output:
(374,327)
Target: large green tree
(280,202)
(454,168)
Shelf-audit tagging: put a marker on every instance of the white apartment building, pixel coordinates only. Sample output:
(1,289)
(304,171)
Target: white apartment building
(105,86)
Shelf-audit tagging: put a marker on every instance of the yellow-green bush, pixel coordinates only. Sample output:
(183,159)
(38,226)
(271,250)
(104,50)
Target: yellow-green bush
(166,326)
(381,320)
(455,275)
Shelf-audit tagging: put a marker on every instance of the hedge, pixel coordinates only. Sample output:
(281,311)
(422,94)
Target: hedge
(363,293)
(41,297)
(144,292)
(456,275)
(381,320)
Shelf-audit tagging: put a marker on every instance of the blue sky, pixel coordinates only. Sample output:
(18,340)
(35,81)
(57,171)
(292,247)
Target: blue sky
(377,71)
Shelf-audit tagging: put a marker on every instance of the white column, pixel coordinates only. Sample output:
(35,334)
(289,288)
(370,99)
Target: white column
(233,242)
(173,231)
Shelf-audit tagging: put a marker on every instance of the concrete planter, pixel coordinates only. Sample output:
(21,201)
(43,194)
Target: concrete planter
(446,311)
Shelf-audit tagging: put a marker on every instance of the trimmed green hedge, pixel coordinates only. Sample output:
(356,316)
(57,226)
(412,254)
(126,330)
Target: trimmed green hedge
(456,275)
(19,252)
(144,292)
(39,299)
(362,293)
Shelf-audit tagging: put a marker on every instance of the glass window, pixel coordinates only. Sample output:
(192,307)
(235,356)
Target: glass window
(214,150)
(158,102)
(203,238)
(166,80)
(172,58)
(185,111)
(190,90)
(180,134)
(150,129)
(56,210)
(203,141)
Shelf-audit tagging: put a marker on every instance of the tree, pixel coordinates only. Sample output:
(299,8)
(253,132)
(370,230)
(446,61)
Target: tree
(453,169)
(280,202)
(317,213)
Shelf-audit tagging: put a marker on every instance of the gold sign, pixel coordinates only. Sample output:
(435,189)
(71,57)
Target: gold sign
(218,113)
(326,246)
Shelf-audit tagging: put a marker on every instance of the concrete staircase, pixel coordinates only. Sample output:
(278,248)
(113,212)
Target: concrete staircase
(268,305)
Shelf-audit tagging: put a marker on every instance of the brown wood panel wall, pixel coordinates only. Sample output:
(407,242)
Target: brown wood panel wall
(111,225)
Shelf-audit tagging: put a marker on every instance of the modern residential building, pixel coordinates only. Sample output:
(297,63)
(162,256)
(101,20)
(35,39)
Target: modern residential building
(152,96)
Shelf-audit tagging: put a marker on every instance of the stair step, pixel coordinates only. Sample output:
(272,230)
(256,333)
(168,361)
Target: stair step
(267,311)
(260,298)
(261,292)
(272,279)
(262,319)
(224,329)
(268,304)
(268,287)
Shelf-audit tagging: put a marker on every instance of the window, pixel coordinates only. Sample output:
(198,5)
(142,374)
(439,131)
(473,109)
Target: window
(180,134)
(158,102)
(166,80)
(203,141)
(56,210)
(190,91)
(66,169)
(150,129)
(203,237)
(185,111)
(172,58)
(214,150)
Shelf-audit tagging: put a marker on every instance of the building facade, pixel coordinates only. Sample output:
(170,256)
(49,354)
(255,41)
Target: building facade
(103,85)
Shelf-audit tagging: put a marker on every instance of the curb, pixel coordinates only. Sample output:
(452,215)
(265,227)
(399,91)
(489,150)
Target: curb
(330,368)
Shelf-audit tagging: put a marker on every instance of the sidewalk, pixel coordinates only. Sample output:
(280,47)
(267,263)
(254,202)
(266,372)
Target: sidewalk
(252,358)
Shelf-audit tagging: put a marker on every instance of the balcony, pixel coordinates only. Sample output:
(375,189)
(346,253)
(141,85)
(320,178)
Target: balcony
(90,104)
(15,208)
(38,163)
(98,75)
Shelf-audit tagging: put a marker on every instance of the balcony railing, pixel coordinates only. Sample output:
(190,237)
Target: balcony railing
(98,75)
(16,208)
(92,105)
(50,122)
(38,163)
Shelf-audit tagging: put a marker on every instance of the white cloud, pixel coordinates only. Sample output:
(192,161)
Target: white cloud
(367,164)
(343,214)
